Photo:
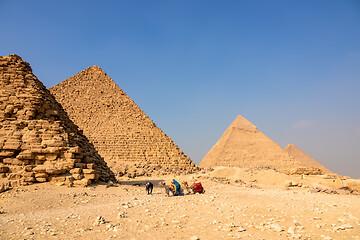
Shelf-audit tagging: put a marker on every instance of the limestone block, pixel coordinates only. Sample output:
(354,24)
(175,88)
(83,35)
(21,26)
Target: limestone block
(91,176)
(51,157)
(75,150)
(6,153)
(4,169)
(55,171)
(80,165)
(83,182)
(13,161)
(41,175)
(28,174)
(67,165)
(40,169)
(76,171)
(88,171)
(35,149)
(12,144)
(53,143)
(40,157)
(90,166)
(57,178)
(39,179)
(28,168)
(25,155)
(51,150)
(29,179)
(77,176)
(69,155)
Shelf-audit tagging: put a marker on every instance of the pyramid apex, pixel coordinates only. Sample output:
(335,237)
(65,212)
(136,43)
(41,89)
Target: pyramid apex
(242,123)
(290,146)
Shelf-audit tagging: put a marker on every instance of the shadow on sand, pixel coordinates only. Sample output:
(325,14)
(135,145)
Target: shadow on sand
(141,183)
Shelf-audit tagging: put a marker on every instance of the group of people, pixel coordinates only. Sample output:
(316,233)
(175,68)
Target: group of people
(174,183)
(175,188)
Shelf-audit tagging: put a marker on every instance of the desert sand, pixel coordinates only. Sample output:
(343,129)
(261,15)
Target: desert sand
(238,204)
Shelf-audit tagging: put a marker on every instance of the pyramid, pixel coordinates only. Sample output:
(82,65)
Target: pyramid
(243,145)
(121,132)
(38,142)
(305,159)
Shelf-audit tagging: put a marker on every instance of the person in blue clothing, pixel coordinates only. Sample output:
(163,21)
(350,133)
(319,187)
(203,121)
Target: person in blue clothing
(178,189)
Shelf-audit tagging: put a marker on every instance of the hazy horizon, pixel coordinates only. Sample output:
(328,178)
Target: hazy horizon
(290,68)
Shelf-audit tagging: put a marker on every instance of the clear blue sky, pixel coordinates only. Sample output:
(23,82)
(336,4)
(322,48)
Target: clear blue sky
(290,67)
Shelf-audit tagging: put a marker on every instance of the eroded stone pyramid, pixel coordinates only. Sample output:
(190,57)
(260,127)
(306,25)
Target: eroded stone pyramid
(121,132)
(243,145)
(38,142)
(305,159)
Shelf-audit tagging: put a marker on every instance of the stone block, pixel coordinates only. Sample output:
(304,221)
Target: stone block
(67,165)
(12,145)
(40,168)
(28,174)
(90,166)
(28,168)
(4,169)
(51,157)
(91,176)
(53,143)
(80,165)
(76,171)
(51,150)
(25,155)
(29,179)
(41,175)
(75,150)
(69,155)
(55,171)
(39,179)
(88,171)
(83,182)
(77,176)
(57,178)
(7,153)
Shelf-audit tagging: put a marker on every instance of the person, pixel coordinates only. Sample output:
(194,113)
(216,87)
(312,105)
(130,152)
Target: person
(149,187)
(177,186)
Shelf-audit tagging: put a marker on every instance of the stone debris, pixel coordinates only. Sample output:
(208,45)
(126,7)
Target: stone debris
(123,134)
(99,220)
(38,142)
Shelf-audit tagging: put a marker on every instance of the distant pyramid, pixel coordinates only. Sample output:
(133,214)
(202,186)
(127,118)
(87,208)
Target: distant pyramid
(121,132)
(243,145)
(305,159)
(38,142)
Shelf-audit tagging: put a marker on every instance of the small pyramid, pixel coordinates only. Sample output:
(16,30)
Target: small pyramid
(121,132)
(305,159)
(38,142)
(243,145)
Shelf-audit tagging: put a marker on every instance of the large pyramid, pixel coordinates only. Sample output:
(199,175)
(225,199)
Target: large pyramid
(121,132)
(38,142)
(243,145)
(305,159)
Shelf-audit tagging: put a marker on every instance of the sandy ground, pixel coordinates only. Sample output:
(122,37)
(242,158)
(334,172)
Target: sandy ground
(266,210)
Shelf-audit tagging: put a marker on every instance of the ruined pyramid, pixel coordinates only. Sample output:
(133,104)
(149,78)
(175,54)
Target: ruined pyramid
(121,132)
(305,159)
(243,145)
(38,142)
